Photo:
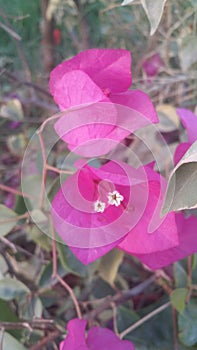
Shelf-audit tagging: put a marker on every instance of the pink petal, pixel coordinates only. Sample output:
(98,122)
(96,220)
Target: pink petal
(180,151)
(75,88)
(105,339)
(73,212)
(189,120)
(139,101)
(75,340)
(86,256)
(187,245)
(108,68)
(141,239)
(152,65)
(96,129)
(87,129)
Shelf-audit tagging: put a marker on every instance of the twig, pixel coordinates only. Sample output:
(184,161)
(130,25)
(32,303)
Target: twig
(14,191)
(41,324)
(121,297)
(14,218)
(10,31)
(175,329)
(144,319)
(8,243)
(19,48)
(58,277)
(43,342)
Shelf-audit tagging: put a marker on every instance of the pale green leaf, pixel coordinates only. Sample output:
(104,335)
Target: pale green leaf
(182,185)
(154,10)
(109,265)
(178,298)
(8,219)
(188,52)
(12,110)
(11,288)
(187,322)
(10,343)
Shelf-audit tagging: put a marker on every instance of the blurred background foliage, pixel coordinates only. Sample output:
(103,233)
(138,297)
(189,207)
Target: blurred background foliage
(34,307)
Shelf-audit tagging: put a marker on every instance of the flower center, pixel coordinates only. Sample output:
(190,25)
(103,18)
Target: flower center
(115,198)
(99,206)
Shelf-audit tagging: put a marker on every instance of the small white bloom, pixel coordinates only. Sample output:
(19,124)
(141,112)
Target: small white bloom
(99,206)
(114,198)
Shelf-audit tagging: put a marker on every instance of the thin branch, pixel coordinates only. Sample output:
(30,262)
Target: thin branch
(144,319)
(10,31)
(61,281)
(121,297)
(44,341)
(14,191)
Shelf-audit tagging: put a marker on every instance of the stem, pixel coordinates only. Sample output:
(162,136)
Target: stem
(175,330)
(18,217)
(144,319)
(43,342)
(72,295)
(59,171)
(44,174)
(61,281)
(14,191)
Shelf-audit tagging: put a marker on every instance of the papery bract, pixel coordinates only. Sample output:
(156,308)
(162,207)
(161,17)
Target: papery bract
(96,338)
(152,65)
(92,76)
(134,226)
(189,121)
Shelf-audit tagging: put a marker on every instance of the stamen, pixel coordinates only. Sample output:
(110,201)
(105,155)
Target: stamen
(115,198)
(99,206)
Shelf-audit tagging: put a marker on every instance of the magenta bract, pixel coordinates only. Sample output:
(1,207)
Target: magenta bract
(189,121)
(90,79)
(115,205)
(95,339)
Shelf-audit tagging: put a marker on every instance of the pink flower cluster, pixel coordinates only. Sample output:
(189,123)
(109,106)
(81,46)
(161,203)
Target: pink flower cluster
(115,205)
(97,338)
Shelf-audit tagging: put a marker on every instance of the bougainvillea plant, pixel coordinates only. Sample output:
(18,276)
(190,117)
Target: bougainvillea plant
(112,204)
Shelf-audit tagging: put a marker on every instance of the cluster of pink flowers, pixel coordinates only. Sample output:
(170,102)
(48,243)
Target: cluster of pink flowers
(97,338)
(114,205)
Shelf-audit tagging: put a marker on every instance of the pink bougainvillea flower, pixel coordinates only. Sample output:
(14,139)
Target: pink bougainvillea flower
(189,121)
(91,77)
(152,65)
(95,339)
(115,205)
(187,245)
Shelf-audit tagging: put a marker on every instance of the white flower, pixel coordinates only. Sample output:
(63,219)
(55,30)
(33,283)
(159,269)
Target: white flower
(114,198)
(99,206)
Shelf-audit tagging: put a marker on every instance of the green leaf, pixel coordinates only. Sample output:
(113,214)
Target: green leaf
(8,219)
(109,265)
(11,289)
(154,10)
(188,52)
(10,343)
(12,110)
(40,238)
(178,298)
(187,322)
(69,261)
(180,275)
(7,315)
(182,185)
(126,317)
